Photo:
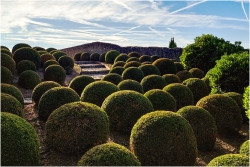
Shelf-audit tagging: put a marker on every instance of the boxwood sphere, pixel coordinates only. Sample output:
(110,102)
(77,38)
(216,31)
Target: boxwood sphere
(121,57)
(8,62)
(41,88)
(29,79)
(4,47)
(225,111)
(179,66)
(97,91)
(80,82)
(59,54)
(118,70)
(45,57)
(197,73)
(161,100)
(94,57)
(113,78)
(154,57)
(77,56)
(102,57)
(118,63)
(7,52)
(203,125)
(133,73)
(54,98)
(55,73)
(152,82)
(66,61)
(184,74)
(165,65)
(149,69)
(85,56)
(76,127)
(14,91)
(244,148)
(38,48)
(53,51)
(25,65)
(230,160)
(145,58)
(171,78)
(130,84)
(134,54)
(111,55)
(50,49)
(18,46)
(132,59)
(109,154)
(19,142)
(49,62)
(182,94)
(163,138)
(124,108)
(6,75)
(42,52)
(132,64)
(10,104)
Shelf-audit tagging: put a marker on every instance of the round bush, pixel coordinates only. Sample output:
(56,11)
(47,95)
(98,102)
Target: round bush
(182,94)
(53,51)
(19,142)
(179,66)
(121,57)
(85,56)
(145,58)
(117,70)
(14,91)
(171,78)
(246,101)
(58,54)
(130,84)
(184,74)
(154,57)
(203,125)
(80,82)
(76,127)
(134,54)
(42,52)
(225,111)
(38,48)
(97,91)
(41,88)
(111,55)
(113,78)
(109,154)
(11,105)
(132,64)
(8,62)
(161,100)
(50,62)
(124,108)
(197,73)
(50,49)
(118,63)
(54,98)
(27,54)
(4,51)
(165,65)
(206,80)
(132,59)
(25,65)
(18,46)
(29,79)
(77,56)
(164,146)
(66,61)
(102,57)
(146,62)
(152,82)
(6,76)
(230,160)
(149,69)
(198,88)
(45,57)
(133,73)
(4,47)
(94,57)
(244,148)
(55,73)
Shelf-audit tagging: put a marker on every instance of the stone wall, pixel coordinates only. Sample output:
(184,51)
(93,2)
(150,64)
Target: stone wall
(100,47)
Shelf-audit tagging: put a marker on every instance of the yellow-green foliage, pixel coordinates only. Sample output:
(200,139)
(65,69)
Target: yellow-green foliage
(230,160)
(246,101)
(244,148)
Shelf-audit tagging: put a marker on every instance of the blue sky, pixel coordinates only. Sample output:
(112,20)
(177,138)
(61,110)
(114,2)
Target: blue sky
(62,24)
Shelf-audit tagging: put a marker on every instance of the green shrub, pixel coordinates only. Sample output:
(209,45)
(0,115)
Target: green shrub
(184,74)
(77,56)
(19,142)
(230,74)
(225,111)
(6,52)
(4,47)
(68,70)
(102,57)
(197,73)
(94,57)
(41,88)
(27,54)
(59,54)
(117,70)
(124,108)
(53,51)
(109,154)
(6,76)
(111,55)
(76,127)
(50,49)
(132,64)
(49,62)
(118,63)
(203,125)
(42,52)
(18,46)
(182,94)
(29,79)
(179,66)
(97,91)
(134,54)
(244,148)
(85,56)
(8,62)
(152,82)
(25,65)
(130,84)
(165,65)
(154,57)
(171,78)
(230,160)
(45,57)
(207,82)
(14,91)
(80,82)
(66,61)
(163,138)
(11,105)
(113,78)
(55,73)
(132,59)
(246,101)
(145,58)
(161,100)
(149,69)
(53,99)
(38,48)
(121,57)
(133,73)
(146,62)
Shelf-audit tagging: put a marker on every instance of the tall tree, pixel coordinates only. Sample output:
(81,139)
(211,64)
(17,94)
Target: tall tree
(172,44)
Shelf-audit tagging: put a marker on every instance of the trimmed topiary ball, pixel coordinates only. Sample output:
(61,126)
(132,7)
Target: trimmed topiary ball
(49,62)
(133,73)
(121,57)
(76,127)
(132,64)
(80,82)
(7,52)
(206,80)
(4,47)
(38,48)
(124,108)
(102,57)
(19,142)
(133,59)
(45,57)
(97,91)
(179,66)
(111,55)
(134,54)
(130,84)
(165,65)
(244,148)
(8,62)
(25,65)
(203,125)
(161,100)
(113,78)
(77,56)
(152,82)
(163,138)
(246,101)
(230,160)
(41,88)
(6,76)
(66,61)
(182,94)
(11,105)
(117,70)
(18,46)
(225,111)
(59,54)
(109,154)
(171,78)
(118,63)
(154,57)
(146,62)
(184,74)
(14,91)
(85,56)
(94,57)
(54,98)
(55,73)
(149,69)
(50,49)
(29,79)
(42,52)
(53,51)
(145,58)
(197,73)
